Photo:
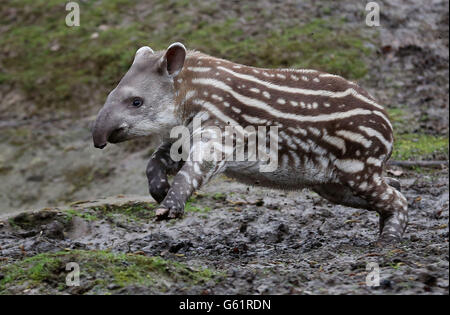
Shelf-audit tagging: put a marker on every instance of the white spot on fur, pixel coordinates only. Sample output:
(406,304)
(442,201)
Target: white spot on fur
(373,161)
(254,120)
(217,97)
(349,165)
(363,186)
(236,110)
(199,69)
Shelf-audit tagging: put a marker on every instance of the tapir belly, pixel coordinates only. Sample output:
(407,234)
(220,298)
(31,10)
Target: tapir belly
(284,176)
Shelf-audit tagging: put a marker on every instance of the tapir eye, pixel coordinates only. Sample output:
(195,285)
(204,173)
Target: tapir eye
(137,102)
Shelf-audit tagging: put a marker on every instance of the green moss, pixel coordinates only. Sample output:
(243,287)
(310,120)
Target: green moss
(410,145)
(219,196)
(305,46)
(397,116)
(33,270)
(98,269)
(81,214)
(12,222)
(30,220)
(136,211)
(56,65)
(420,147)
(191,206)
(53,63)
(129,212)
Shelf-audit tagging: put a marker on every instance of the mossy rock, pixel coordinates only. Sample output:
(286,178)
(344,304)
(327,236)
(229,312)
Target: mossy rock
(101,272)
(28,220)
(137,211)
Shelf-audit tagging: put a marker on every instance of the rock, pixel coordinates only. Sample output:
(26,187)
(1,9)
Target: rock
(55,230)
(428,279)
(263,288)
(174,248)
(386,284)
(113,286)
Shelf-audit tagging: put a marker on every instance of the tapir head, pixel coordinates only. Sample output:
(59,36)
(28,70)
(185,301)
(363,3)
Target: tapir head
(143,103)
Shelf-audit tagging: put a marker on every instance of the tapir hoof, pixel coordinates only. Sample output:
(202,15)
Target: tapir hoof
(167,214)
(387,240)
(161,214)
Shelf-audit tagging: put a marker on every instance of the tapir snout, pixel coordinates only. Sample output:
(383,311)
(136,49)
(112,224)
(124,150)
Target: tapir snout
(107,128)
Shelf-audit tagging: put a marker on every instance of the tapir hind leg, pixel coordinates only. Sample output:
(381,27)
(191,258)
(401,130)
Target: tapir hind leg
(377,195)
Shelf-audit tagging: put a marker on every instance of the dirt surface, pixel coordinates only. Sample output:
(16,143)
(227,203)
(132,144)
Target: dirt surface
(254,241)
(233,239)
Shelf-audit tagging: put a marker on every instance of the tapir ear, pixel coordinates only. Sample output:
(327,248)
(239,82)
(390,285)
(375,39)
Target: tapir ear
(143,50)
(173,59)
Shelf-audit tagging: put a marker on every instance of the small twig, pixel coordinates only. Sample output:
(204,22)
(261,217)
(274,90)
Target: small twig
(418,163)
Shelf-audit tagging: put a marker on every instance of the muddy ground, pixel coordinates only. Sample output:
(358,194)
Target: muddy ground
(251,241)
(64,201)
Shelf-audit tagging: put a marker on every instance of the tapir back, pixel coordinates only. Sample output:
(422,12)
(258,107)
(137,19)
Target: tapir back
(326,124)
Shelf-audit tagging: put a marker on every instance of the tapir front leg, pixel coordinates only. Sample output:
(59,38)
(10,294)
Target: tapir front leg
(159,166)
(191,176)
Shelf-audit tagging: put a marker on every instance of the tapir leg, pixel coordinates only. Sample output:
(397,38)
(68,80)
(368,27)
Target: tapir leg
(159,166)
(379,194)
(195,172)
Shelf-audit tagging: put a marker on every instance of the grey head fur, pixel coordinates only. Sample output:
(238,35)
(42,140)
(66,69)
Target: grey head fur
(143,103)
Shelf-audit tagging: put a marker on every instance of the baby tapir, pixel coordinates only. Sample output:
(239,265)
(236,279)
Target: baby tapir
(332,136)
